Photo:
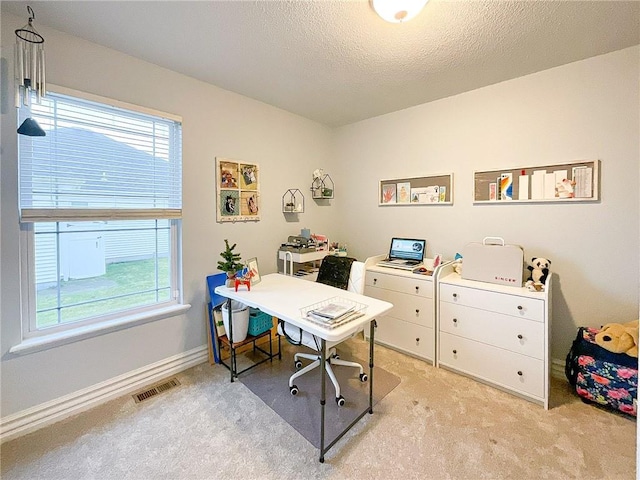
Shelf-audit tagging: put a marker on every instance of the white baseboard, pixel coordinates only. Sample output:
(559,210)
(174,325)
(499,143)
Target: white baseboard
(36,417)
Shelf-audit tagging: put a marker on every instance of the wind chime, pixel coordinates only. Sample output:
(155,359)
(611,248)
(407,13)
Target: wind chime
(30,72)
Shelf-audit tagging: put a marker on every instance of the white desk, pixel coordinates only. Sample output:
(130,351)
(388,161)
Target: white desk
(283,296)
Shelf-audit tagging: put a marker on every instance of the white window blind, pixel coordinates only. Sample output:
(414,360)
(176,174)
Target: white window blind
(99,162)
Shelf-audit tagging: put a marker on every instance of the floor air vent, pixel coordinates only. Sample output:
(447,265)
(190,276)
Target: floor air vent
(156,390)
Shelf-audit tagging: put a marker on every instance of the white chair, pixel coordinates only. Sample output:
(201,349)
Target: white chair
(297,336)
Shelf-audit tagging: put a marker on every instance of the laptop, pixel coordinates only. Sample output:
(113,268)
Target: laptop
(404,254)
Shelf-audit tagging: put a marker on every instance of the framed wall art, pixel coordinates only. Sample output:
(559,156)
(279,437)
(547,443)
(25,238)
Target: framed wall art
(237,191)
(577,181)
(426,190)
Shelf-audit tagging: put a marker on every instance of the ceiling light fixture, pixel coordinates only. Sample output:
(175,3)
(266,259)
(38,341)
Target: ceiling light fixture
(398,11)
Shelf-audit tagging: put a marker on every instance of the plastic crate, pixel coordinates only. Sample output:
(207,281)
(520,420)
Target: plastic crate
(259,322)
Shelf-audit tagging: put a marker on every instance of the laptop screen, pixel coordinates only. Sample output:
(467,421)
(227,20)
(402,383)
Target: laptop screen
(407,249)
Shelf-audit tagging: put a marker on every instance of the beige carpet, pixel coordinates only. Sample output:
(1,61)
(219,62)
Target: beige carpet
(434,425)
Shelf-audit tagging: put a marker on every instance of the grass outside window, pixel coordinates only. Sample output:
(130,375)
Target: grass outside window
(125,285)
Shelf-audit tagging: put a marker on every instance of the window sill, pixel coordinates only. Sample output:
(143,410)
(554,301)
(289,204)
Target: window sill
(37,344)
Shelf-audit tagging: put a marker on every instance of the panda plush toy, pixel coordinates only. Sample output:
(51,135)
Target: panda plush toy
(539,270)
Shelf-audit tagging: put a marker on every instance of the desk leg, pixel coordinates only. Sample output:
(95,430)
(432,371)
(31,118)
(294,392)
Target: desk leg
(372,330)
(323,368)
(232,351)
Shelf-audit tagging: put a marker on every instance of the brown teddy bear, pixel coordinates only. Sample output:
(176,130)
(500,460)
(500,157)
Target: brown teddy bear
(619,338)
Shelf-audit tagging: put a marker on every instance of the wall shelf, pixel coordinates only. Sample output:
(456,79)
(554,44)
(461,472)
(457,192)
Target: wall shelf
(293,201)
(565,182)
(322,187)
(425,190)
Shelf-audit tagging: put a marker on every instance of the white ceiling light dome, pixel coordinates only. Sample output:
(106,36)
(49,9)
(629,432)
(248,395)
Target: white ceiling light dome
(398,11)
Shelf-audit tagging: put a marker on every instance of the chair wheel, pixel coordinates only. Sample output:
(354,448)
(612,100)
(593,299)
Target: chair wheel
(298,364)
(340,401)
(363,377)
(294,390)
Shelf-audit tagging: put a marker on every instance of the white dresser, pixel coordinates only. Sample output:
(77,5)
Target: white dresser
(497,334)
(409,325)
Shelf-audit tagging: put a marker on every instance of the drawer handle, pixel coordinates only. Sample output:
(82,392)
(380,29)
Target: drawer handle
(455,320)
(417,340)
(520,372)
(455,295)
(519,307)
(520,337)
(375,280)
(417,311)
(417,289)
(455,352)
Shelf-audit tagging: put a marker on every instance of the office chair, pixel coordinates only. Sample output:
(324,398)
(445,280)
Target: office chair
(340,272)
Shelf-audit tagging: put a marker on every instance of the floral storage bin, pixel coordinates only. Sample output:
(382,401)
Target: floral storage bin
(600,376)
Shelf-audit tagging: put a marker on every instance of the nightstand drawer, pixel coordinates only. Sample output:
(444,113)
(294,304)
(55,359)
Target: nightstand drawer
(506,369)
(518,335)
(405,336)
(412,286)
(514,305)
(411,308)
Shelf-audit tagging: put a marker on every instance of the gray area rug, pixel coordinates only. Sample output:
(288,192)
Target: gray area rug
(270,382)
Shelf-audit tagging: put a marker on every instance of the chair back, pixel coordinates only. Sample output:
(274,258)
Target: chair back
(335,271)
(356,278)
(214,281)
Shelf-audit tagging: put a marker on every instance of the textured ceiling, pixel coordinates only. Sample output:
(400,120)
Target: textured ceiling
(337,62)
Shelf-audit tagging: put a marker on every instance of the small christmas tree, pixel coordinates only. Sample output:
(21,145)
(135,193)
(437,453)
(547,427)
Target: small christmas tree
(231,263)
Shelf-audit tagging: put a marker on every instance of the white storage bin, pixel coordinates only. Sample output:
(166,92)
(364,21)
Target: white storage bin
(240,316)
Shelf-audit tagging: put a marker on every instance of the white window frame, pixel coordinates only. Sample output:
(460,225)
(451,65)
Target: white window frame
(37,340)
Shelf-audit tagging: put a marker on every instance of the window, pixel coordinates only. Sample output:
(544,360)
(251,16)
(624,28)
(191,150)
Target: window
(100,207)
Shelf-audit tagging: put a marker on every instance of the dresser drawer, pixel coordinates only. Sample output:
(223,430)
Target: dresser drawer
(507,369)
(411,308)
(406,337)
(514,305)
(519,335)
(404,284)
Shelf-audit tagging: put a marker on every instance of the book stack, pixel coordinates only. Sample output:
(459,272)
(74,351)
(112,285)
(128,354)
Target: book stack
(333,315)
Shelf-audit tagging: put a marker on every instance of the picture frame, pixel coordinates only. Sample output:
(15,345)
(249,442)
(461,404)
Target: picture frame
(238,191)
(252,266)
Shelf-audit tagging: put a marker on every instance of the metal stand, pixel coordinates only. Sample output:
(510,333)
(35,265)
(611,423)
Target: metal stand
(233,364)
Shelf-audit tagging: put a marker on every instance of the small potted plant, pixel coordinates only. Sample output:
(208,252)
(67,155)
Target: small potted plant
(231,263)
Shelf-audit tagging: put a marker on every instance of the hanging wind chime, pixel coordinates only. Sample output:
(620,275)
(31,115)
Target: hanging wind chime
(30,71)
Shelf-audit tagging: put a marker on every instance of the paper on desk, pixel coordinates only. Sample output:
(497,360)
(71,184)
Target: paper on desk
(332,310)
(328,323)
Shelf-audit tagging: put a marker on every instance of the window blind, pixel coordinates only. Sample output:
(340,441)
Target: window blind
(98,161)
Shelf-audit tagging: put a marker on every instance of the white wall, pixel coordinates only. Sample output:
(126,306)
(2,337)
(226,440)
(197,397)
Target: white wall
(584,110)
(215,123)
